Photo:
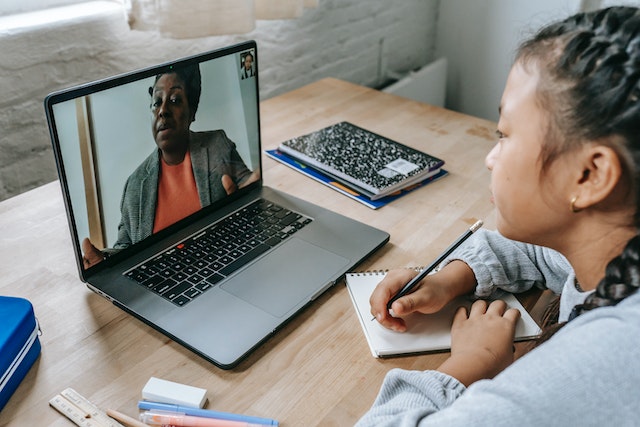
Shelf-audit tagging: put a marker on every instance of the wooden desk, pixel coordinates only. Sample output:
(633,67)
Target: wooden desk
(318,370)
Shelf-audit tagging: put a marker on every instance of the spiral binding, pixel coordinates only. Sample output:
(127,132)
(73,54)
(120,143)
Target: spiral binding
(379,272)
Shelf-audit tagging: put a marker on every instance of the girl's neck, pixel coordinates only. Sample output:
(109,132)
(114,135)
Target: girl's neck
(590,253)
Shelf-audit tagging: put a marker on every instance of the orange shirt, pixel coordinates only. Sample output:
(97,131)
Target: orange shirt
(177,193)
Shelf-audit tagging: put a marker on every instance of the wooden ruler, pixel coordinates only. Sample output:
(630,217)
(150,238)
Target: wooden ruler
(81,411)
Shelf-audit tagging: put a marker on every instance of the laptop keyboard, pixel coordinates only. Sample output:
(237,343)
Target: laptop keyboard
(188,269)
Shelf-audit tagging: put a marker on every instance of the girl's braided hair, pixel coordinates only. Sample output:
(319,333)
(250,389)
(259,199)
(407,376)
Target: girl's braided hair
(590,84)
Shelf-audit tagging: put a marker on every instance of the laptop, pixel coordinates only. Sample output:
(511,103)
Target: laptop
(206,254)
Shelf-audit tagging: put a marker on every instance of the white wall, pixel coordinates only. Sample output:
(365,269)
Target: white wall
(479,39)
(341,38)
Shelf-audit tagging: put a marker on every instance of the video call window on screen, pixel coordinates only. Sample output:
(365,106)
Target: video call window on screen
(106,136)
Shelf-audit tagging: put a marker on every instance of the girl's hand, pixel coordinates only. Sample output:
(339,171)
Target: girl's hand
(481,342)
(431,294)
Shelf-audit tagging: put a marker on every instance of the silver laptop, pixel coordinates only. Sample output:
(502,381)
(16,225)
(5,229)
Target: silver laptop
(161,175)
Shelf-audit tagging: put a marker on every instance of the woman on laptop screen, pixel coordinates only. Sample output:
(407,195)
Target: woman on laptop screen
(187,171)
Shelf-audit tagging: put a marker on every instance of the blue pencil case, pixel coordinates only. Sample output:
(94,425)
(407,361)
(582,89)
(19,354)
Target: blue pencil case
(19,344)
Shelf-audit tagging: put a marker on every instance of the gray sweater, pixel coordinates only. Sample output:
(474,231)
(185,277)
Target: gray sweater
(587,374)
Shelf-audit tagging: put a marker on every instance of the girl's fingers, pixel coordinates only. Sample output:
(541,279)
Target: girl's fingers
(460,315)
(512,314)
(497,307)
(478,308)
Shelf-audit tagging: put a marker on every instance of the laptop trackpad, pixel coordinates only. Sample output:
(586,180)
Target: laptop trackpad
(292,273)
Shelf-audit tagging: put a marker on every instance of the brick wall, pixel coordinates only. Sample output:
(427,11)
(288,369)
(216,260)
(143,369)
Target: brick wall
(353,40)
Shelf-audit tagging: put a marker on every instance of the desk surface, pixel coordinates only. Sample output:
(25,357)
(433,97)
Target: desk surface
(318,370)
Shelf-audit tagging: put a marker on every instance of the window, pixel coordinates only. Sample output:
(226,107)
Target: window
(12,7)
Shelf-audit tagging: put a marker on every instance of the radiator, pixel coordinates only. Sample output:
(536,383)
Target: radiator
(428,84)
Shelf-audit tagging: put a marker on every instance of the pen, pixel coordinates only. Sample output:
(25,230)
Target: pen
(206,413)
(125,419)
(413,282)
(163,418)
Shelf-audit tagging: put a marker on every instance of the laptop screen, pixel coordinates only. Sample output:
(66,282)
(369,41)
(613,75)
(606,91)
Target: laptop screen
(139,152)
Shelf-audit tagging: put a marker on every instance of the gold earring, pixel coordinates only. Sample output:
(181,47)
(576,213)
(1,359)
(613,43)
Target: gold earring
(572,205)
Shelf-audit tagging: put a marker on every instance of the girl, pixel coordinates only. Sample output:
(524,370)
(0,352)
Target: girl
(565,180)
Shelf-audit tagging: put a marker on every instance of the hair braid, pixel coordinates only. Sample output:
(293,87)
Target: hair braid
(622,278)
(603,59)
(600,67)
(590,84)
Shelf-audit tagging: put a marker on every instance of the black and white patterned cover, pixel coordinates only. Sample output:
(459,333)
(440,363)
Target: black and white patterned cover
(363,158)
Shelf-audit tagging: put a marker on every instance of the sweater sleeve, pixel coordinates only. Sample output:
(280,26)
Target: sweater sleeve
(586,374)
(406,397)
(503,264)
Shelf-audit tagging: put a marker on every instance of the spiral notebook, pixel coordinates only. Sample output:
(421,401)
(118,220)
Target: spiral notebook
(426,332)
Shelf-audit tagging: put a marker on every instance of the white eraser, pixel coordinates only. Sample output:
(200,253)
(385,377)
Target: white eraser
(163,391)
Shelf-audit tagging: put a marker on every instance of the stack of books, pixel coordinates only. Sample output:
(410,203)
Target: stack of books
(364,166)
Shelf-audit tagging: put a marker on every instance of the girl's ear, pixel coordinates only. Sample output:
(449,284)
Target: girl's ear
(599,177)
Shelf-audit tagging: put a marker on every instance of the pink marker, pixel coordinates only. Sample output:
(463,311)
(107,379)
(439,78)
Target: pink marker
(161,418)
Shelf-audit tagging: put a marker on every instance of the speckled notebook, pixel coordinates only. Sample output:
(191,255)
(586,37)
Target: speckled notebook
(373,164)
